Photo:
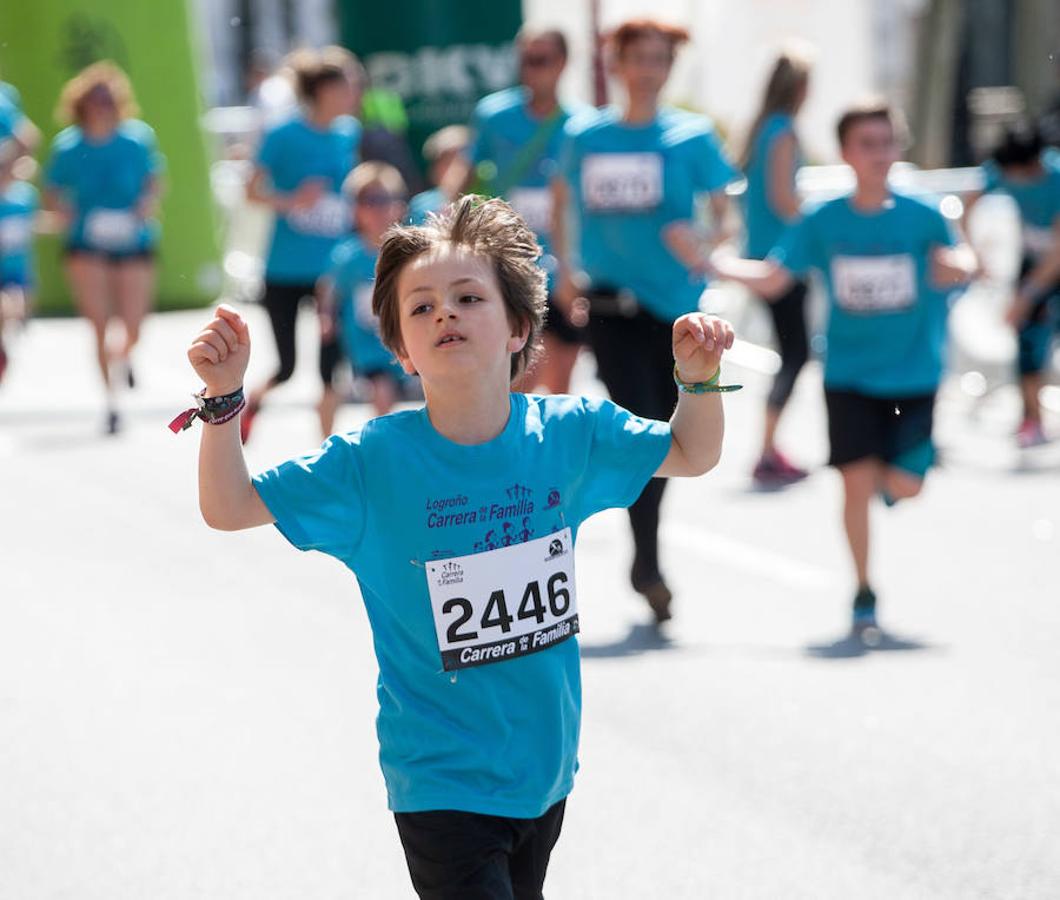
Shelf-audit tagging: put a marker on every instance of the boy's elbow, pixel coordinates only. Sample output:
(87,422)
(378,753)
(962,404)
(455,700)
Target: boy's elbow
(217,520)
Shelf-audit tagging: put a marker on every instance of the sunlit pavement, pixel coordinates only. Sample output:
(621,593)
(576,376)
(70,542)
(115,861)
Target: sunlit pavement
(189,714)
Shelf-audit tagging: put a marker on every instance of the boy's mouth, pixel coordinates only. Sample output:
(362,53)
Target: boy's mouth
(450,337)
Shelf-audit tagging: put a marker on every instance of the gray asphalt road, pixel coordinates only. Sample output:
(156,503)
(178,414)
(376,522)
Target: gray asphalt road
(188,714)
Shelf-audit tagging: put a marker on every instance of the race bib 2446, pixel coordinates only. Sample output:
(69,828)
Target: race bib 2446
(504,603)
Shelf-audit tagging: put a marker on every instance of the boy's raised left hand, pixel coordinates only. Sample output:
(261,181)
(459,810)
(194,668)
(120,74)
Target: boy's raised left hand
(699,341)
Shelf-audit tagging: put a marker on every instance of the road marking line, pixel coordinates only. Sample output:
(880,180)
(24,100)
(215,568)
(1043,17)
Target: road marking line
(755,560)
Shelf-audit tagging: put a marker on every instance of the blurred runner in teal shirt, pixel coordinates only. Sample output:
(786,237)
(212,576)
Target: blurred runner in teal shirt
(626,174)
(300,169)
(770,162)
(889,265)
(103,180)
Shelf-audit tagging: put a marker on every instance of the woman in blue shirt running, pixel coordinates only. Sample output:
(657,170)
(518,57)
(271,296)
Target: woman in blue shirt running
(103,181)
(770,161)
(627,173)
(299,172)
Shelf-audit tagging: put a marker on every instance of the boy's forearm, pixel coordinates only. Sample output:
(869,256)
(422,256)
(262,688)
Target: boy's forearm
(764,277)
(697,427)
(227,498)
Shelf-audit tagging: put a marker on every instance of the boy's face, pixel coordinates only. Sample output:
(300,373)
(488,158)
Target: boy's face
(870,149)
(375,210)
(454,322)
(540,65)
(644,65)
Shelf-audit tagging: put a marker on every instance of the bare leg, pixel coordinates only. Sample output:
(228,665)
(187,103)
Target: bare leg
(769,435)
(89,285)
(900,484)
(326,409)
(384,394)
(860,482)
(1030,389)
(134,286)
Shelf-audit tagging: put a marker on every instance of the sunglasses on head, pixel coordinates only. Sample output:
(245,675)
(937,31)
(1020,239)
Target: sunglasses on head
(375,200)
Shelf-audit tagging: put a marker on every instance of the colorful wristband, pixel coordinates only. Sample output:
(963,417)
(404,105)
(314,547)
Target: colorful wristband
(212,410)
(710,386)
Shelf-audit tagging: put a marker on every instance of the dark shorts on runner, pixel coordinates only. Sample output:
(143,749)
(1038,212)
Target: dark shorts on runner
(1035,335)
(895,430)
(111,257)
(559,326)
(455,855)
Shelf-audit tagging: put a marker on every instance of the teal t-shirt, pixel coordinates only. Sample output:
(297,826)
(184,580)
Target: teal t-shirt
(413,514)
(291,153)
(886,331)
(11,115)
(763,223)
(425,203)
(104,182)
(19,202)
(503,126)
(1038,202)
(351,271)
(627,183)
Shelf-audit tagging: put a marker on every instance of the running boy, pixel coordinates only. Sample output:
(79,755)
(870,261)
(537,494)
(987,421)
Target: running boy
(479,683)
(19,202)
(889,262)
(344,293)
(1019,168)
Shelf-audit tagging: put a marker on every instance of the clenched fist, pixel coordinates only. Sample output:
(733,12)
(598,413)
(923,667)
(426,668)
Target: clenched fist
(699,341)
(221,352)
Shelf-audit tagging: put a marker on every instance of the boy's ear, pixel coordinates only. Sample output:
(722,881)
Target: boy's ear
(404,361)
(519,337)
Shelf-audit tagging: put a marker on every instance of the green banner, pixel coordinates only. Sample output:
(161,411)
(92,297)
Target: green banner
(42,44)
(440,56)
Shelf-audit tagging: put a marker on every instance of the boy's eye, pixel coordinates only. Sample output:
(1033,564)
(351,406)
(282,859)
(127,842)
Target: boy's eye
(470,298)
(421,308)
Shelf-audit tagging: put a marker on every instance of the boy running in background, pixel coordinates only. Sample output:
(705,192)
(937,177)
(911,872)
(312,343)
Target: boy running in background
(19,202)
(344,293)
(479,681)
(889,263)
(1019,168)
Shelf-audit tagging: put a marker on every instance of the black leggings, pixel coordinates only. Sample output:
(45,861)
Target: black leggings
(281,302)
(634,358)
(789,325)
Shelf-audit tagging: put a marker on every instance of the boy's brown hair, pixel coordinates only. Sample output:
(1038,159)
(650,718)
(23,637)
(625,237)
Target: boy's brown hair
(489,228)
(866,110)
(375,173)
(632,30)
(100,74)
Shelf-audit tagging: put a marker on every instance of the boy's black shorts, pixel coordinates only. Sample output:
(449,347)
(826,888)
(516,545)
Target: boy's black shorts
(896,430)
(454,855)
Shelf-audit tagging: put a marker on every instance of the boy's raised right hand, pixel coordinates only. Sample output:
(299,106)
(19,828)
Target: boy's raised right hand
(221,352)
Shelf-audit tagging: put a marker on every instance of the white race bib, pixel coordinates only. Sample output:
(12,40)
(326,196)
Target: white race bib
(15,233)
(112,229)
(535,206)
(1038,241)
(362,307)
(613,182)
(504,603)
(874,284)
(329,217)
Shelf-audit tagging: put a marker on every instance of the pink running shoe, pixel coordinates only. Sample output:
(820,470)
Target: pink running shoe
(1030,434)
(775,469)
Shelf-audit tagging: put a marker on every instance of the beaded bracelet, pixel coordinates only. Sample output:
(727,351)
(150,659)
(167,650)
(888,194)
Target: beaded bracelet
(710,386)
(212,410)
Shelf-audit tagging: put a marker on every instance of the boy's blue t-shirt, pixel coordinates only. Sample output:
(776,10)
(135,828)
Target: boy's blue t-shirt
(291,153)
(394,501)
(425,203)
(763,223)
(104,183)
(886,332)
(19,202)
(1038,202)
(503,126)
(351,271)
(627,183)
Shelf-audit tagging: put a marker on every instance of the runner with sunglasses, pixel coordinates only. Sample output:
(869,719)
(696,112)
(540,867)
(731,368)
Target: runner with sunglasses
(517,138)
